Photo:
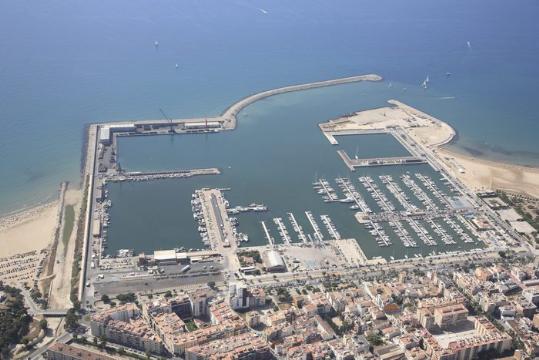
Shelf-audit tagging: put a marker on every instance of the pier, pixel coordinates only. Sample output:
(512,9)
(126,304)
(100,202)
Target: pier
(352,194)
(156,175)
(317,233)
(219,226)
(397,192)
(403,234)
(298,229)
(330,227)
(251,207)
(228,118)
(433,188)
(381,238)
(230,114)
(352,164)
(418,192)
(422,233)
(271,241)
(378,196)
(446,238)
(282,231)
(323,188)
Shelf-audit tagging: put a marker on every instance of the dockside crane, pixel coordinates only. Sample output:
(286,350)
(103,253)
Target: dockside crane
(169,120)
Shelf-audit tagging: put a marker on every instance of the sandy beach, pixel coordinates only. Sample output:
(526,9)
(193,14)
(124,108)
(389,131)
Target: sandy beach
(31,229)
(434,134)
(481,174)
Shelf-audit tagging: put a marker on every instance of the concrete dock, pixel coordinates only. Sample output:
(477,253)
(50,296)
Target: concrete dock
(271,241)
(146,176)
(297,228)
(352,164)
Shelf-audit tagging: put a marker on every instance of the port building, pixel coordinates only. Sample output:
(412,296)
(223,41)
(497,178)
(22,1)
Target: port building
(106,131)
(197,125)
(273,261)
(166,257)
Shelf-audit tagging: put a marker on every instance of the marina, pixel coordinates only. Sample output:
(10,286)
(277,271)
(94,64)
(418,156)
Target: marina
(380,197)
(323,188)
(352,195)
(392,204)
(427,202)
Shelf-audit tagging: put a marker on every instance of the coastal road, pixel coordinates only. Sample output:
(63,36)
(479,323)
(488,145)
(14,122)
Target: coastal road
(288,279)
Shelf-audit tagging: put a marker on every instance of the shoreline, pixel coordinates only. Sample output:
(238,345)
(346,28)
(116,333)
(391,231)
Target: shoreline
(486,174)
(25,214)
(28,231)
(437,136)
(441,146)
(478,173)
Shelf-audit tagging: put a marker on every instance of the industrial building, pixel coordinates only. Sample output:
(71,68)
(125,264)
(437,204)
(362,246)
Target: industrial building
(169,257)
(273,261)
(106,132)
(197,125)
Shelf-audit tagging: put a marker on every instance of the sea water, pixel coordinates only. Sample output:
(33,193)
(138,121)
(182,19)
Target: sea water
(65,64)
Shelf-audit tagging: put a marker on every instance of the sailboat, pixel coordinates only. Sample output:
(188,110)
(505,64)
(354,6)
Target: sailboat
(425,83)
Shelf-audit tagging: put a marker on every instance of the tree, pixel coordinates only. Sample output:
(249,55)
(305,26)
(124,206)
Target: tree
(76,305)
(105,298)
(102,341)
(43,324)
(125,298)
(71,320)
(375,339)
(211,284)
(168,294)
(14,319)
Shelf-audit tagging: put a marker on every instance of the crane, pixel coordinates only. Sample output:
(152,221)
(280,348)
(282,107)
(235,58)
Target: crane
(169,120)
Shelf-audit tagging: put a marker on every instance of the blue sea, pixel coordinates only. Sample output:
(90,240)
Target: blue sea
(64,64)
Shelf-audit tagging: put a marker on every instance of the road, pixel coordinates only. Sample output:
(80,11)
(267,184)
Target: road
(356,273)
(38,353)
